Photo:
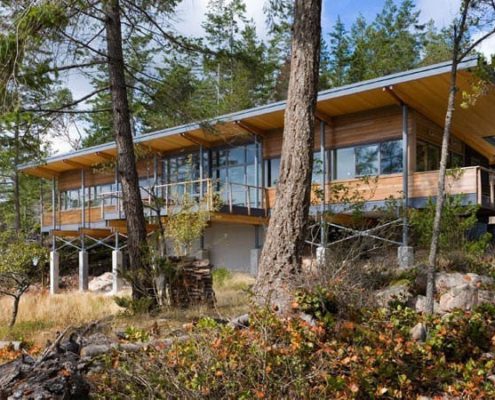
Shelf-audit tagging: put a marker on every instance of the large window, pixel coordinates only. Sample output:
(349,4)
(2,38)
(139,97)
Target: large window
(428,158)
(73,199)
(374,159)
(179,169)
(367,160)
(236,166)
(272,170)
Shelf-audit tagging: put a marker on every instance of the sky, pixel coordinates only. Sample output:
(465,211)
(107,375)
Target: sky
(190,15)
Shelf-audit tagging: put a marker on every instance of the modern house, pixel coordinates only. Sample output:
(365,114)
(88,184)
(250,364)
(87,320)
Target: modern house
(390,127)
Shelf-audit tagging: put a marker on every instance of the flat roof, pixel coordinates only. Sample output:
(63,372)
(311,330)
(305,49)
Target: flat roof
(423,89)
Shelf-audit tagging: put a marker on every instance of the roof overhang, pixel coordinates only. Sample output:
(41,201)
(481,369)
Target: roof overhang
(423,89)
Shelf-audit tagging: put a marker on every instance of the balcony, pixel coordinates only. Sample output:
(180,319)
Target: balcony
(476,185)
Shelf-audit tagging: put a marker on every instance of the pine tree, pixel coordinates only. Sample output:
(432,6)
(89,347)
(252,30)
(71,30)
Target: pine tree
(340,54)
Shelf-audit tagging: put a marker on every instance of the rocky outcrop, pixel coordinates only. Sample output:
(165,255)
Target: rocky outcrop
(393,293)
(102,283)
(454,290)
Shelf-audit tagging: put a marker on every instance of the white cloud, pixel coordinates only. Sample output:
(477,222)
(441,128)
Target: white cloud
(487,47)
(191,13)
(441,11)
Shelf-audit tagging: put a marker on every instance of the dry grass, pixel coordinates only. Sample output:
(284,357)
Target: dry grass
(41,315)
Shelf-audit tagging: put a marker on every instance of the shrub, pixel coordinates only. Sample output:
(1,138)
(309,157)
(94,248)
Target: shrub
(458,222)
(220,276)
(371,358)
(134,306)
(20,265)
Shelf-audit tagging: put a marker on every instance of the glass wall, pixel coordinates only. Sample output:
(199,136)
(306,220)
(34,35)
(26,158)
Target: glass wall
(236,166)
(428,157)
(73,199)
(368,160)
(183,168)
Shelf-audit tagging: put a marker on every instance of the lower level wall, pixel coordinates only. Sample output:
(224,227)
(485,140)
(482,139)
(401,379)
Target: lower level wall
(230,245)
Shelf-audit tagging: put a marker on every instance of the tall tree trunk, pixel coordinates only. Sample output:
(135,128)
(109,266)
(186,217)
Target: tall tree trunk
(132,203)
(280,262)
(459,31)
(17,197)
(15,310)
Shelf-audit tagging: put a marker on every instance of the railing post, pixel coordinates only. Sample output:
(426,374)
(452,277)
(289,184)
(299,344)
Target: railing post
(83,200)
(492,188)
(166,200)
(405,173)
(248,199)
(230,197)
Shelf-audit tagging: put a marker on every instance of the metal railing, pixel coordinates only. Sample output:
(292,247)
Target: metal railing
(486,187)
(212,193)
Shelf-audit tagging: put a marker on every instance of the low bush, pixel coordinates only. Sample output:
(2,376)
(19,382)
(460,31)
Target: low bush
(372,357)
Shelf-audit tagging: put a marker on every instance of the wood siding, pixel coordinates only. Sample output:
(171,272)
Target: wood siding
(72,179)
(349,130)
(421,185)
(74,217)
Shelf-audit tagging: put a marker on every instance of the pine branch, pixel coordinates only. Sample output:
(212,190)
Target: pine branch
(63,109)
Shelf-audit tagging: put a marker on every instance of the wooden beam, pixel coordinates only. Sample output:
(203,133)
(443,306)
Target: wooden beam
(398,99)
(239,219)
(154,149)
(327,119)
(75,164)
(96,233)
(195,140)
(62,233)
(48,171)
(105,156)
(250,128)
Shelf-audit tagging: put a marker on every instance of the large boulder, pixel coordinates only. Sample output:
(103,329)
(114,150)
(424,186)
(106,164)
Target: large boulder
(102,283)
(393,293)
(464,297)
(419,304)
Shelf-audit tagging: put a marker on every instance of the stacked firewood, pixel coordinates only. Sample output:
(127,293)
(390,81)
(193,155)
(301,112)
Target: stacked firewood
(193,284)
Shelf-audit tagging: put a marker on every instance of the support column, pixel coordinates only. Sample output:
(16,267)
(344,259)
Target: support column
(83,200)
(405,252)
(256,252)
(54,271)
(322,251)
(83,267)
(117,282)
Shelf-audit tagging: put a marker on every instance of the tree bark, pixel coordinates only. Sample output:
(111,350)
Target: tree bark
(459,31)
(280,262)
(132,203)
(17,196)
(15,310)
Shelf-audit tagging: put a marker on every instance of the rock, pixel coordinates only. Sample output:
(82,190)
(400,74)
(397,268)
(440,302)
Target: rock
(393,293)
(486,296)
(419,304)
(94,350)
(445,281)
(491,378)
(463,297)
(57,377)
(129,347)
(15,345)
(102,283)
(418,332)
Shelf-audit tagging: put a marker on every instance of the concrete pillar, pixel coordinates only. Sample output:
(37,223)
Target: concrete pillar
(54,272)
(83,271)
(116,271)
(202,254)
(322,255)
(255,259)
(405,255)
